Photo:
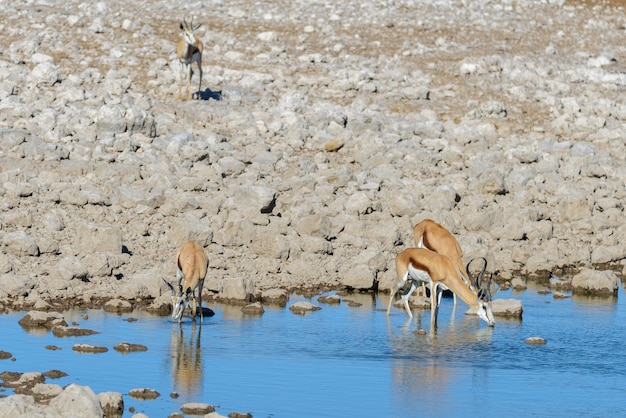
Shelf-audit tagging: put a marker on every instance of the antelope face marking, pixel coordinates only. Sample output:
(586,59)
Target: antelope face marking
(188,35)
(178,306)
(484,312)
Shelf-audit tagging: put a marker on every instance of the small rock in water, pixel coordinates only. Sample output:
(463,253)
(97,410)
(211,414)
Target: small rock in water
(87,348)
(144,393)
(331,299)
(62,331)
(253,309)
(55,374)
(240,415)
(194,408)
(303,307)
(535,341)
(127,347)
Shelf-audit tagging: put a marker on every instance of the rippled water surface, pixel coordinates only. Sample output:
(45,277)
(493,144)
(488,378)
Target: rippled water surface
(352,361)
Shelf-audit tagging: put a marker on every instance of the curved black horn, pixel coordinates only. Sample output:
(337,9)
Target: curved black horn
(476,281)
(483,293)
(170,286)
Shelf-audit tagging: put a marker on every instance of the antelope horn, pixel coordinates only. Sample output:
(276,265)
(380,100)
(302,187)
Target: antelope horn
(170,286)
(477,282)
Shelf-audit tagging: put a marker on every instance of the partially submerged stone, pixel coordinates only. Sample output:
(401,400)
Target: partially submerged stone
(195,408)
(508,308)
(144,393)
(518,284)
(112,403)
(236,414)
(535,341)
(253,309)
(63,331)
(303,307)
(597,283)
(42,319)
(118,306)
(127,347)
(88,348)
(330,299)
(52,347)
(21,382)
(275,296)
(55,374)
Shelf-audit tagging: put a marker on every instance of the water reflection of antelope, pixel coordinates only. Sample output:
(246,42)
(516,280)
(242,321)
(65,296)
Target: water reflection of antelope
(426,369)
(186,356)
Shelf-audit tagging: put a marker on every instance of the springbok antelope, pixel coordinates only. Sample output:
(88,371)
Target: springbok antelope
(423,265)
(192,264)
(189,50)
(429,234)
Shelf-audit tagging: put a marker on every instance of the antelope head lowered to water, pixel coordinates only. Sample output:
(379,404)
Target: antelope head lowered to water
(192,264)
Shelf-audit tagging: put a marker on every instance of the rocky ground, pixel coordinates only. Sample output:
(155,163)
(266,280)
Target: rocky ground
(324,131)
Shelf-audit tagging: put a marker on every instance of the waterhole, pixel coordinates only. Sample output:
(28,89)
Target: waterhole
(349,360)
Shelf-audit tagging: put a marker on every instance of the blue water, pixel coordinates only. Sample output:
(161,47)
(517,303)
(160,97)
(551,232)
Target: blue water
(352,361)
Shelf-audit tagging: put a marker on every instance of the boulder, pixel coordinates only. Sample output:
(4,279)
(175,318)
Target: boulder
(275,296)
(508,308)
(253,309)
(118,306)
(77,401)
(112,403)
(597,283)
(42,319)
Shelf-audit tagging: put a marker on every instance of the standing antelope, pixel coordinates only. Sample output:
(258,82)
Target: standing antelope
(429,234)
(192,264)
(424,265)
(189,50)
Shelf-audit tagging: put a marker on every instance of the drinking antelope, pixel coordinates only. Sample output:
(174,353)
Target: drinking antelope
(192,264)
(189,50)
(429,234)
(423,265)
